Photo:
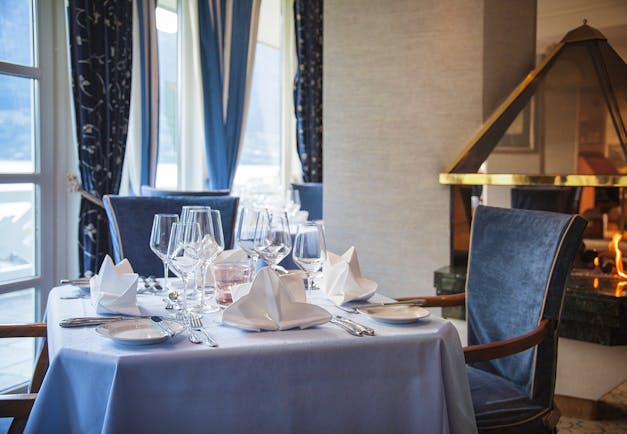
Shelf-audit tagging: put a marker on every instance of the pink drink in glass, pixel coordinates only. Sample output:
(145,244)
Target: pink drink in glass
(227,275)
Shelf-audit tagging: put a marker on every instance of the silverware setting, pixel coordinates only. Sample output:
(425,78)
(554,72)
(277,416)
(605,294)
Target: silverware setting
(163,325)
(88,321)
(352,327)
(355,308)
(193,324)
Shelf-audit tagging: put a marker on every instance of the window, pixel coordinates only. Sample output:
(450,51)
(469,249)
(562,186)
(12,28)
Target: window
(24,175)
(167,42)
(259,169)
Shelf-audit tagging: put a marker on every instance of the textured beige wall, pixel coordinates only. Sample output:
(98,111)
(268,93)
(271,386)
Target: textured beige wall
(403,92)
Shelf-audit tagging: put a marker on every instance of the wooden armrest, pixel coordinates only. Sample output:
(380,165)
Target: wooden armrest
(438,300)
(35,330)
(496,350)
(16,405)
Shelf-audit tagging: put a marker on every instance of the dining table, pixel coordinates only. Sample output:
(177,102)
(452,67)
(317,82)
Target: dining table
(407,378)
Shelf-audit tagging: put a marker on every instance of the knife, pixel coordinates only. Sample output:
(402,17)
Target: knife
(88,321)
(394,303)
(166,328)
(365,330)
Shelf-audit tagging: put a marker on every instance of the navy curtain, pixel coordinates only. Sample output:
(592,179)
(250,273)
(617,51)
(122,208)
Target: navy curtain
(308,87)
(100,39)
(224,25)
(149,69)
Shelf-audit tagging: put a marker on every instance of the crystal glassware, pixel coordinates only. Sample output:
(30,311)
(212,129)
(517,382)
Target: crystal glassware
(227,275)
(183,252)
(159,239)
(209,247)
(309,251)
(245,235)
(272,236)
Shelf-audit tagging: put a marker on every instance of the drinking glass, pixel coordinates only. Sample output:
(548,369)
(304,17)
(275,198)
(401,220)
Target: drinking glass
(292,202)
(272,236)
(227,275)
(210,246)
(189,208)
(159,239)
(310,251)
(246,225)
(183,252)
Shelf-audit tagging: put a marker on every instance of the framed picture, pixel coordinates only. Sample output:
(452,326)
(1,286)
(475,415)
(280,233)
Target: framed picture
(519,137)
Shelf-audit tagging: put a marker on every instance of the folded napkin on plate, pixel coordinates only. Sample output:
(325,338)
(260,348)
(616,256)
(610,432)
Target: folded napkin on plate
(234,255)
(273,302)
(114,288)
(342,281)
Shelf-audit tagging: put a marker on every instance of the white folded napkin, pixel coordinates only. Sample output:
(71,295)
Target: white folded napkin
(273,302)
(234,255)
(114,288)
(342,281)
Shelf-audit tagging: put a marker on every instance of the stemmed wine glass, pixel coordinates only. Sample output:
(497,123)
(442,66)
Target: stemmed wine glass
(272,237)
(183,252)
(246,225)
(159,239)
(209,247)
(309,251)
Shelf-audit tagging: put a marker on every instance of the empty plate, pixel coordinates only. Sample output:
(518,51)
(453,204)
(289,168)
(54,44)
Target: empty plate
(137,331)
(396,314)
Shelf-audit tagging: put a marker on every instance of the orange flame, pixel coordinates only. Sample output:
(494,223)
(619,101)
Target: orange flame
(618,255)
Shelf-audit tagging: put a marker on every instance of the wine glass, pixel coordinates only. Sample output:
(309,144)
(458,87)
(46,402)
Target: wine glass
(292,202)
(209,247)
(183,252)
(309,251)
(272,237)
(245,235)
(159,239)
(185,210)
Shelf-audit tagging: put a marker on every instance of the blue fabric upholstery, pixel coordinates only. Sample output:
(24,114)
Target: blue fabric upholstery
(153,192)
(130,223)
(518,266)
(310,198)
(557,199)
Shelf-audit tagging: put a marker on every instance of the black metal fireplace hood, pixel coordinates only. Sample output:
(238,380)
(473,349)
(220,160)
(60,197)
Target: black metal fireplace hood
(565,122)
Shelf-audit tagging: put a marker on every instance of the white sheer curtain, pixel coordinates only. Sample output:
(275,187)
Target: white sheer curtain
(192,171)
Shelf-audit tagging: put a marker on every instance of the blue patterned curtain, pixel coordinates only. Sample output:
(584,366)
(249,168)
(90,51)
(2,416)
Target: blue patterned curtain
(149,67)
(100,39)
(308,87)
(225,24)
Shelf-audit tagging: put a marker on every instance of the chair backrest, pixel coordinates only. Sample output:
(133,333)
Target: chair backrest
(130,223)
(153,192)
(518,266)
(310,198)
(557,199)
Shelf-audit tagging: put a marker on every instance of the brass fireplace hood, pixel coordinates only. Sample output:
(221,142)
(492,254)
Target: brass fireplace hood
(563,124)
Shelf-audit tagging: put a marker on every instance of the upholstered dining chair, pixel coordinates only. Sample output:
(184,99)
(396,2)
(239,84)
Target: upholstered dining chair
(18,406)
(518,265)
(310,198)
(130,223)
(151,191)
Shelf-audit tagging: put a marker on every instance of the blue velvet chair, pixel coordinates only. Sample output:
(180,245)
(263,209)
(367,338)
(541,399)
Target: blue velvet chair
(310,198)
(517,270)
(153,192)
(130,223)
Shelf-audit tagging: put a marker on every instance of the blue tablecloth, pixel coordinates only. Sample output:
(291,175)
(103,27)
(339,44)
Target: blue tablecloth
(409,378)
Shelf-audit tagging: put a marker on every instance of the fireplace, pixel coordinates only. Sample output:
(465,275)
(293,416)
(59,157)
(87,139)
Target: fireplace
(557,142)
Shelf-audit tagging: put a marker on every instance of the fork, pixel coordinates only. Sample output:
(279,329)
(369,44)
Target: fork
(195,324)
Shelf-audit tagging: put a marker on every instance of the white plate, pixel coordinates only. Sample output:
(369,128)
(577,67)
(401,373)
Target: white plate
(137,331)
(396,314)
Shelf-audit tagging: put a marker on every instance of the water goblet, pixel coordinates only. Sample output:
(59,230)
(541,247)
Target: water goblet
(309,251)
(183,252)
(245,236)
(209,247)
(159,239)
(272,237)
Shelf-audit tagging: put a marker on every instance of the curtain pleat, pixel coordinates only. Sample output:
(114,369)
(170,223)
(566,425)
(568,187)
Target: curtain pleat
(308,87)
(226,45)
(149,66)
(100,39)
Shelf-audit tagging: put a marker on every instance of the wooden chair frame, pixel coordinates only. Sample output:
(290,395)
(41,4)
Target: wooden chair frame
(19,405)
(492,350)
